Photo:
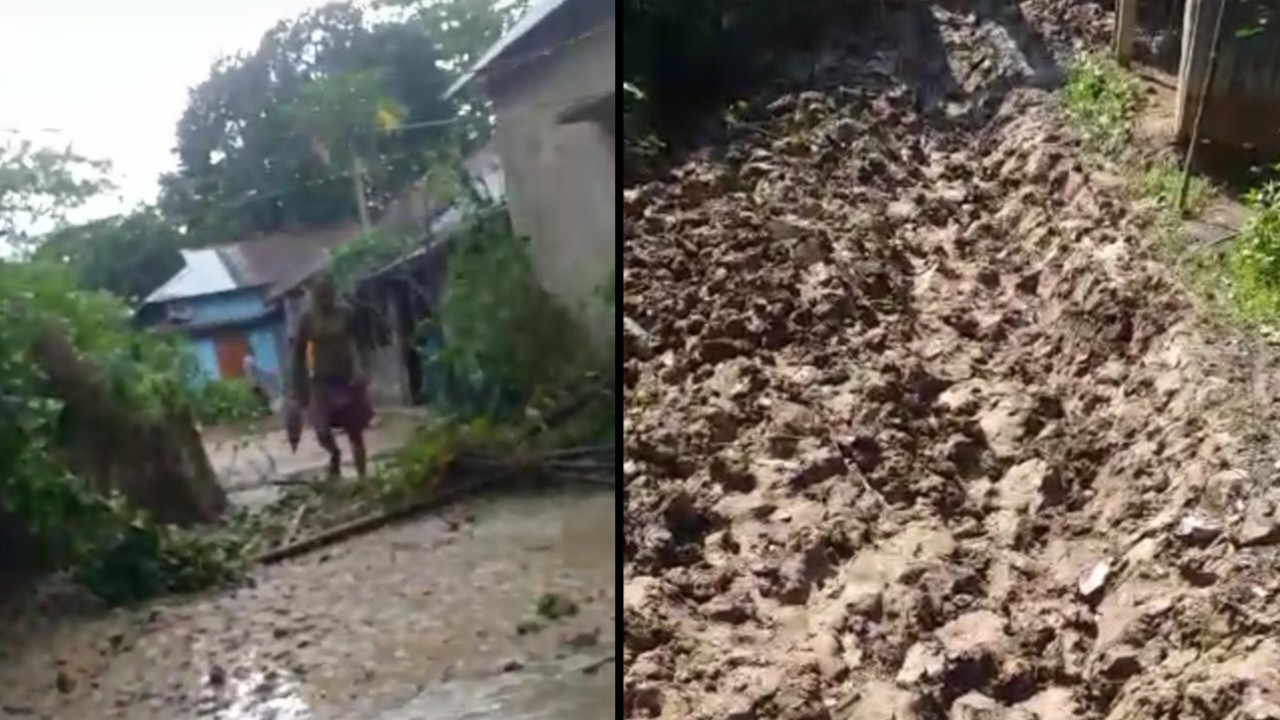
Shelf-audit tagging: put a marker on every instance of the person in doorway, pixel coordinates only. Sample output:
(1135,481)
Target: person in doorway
(326,380)
(255,376)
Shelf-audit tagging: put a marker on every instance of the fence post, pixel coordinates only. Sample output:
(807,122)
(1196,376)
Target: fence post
(1126,23)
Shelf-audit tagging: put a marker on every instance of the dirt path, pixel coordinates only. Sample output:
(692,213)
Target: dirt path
(918,428)
(247,460)
(417,620)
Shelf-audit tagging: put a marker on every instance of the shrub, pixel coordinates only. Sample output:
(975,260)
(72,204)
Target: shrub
(1104,100)
(1254,261)
(227,401)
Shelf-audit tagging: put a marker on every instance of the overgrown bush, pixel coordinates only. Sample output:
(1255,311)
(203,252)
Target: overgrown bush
(510,348)
(1103,99)
(418,464)
(1254,261)
(112,547)
(227,401)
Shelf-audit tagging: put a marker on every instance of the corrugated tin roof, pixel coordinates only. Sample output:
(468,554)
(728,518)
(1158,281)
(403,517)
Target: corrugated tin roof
(204,274)
(284,260)
(279,262)
(530,20)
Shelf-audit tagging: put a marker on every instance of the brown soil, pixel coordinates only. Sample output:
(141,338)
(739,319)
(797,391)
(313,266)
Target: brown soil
(917,427)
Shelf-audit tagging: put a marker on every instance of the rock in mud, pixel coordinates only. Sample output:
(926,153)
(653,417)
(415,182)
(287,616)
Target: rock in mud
(884,701)
(976,706)
(1197,529)
(924,661)
(1259,526)
(1092,582)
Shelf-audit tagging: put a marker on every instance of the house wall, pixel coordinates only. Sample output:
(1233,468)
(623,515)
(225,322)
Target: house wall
(239,311)
(1244,94)
(226,307)
(206,357)
(559,179)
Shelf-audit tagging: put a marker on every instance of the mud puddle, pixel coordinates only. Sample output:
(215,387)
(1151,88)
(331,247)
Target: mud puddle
(430,619)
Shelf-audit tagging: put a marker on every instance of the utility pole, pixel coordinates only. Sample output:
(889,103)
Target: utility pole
(357,182)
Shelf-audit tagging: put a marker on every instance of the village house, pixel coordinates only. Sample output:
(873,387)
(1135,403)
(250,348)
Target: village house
(553,85)
(230,300)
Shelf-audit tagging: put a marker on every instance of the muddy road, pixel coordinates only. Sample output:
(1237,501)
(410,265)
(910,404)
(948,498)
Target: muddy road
(436,618)
(917,424)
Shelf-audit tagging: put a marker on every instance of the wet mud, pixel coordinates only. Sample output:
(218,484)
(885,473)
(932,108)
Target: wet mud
(918,425)
(433,618)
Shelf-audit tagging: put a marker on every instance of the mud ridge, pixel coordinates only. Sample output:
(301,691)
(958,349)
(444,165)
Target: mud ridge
(916,426)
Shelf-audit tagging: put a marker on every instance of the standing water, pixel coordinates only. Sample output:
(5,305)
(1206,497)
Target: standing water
(434,619)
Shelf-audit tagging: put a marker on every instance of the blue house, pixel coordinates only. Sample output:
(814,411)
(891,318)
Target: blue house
(232,300)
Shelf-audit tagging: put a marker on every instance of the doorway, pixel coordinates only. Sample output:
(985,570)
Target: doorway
(231,347)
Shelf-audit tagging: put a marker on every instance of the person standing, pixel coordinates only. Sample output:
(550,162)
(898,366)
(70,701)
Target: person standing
(255,376)
(326,380)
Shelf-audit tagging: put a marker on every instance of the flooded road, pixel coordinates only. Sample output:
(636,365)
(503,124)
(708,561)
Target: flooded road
(431,619)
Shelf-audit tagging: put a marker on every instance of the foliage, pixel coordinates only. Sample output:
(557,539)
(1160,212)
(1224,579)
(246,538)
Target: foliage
(343,115)
(38,185)
(368,253)
(113,548)
(1162,181)
(418,464)
(1103,99)
(126,255)
(502,331)
(245,168)
(461,31)
(227,401)
(1254,262)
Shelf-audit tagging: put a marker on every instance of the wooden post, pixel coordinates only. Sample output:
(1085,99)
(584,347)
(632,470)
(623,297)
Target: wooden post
(1126,24)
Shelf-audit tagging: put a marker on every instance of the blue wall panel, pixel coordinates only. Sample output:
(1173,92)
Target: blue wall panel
(207,357)
(227,307)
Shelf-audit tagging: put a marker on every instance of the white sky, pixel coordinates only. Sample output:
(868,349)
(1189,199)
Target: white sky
(112,75)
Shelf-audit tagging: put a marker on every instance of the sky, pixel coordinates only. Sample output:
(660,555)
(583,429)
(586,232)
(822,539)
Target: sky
(111,78)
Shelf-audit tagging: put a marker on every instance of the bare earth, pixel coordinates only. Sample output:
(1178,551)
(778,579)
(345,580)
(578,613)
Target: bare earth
(413,621)
(247,460)
(917,425)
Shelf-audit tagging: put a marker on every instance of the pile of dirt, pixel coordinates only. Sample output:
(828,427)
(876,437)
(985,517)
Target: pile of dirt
(915,425)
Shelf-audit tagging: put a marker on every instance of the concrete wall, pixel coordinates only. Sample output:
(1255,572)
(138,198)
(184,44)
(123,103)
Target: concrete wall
(559,179)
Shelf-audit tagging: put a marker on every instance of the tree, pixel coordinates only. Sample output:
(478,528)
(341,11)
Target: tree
(343,114)
(126,255)
(244,167)
(39,185)
(461,31)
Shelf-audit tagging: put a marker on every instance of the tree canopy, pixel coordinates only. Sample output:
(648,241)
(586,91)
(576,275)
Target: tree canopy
(245,165)
(39,185)
(266,141)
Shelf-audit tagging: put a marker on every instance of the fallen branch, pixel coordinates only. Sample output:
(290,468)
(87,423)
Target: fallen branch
(372,522)
(294,524)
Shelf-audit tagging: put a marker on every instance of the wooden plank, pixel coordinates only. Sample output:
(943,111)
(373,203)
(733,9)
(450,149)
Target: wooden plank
(1126,27)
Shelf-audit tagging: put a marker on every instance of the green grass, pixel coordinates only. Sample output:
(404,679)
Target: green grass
(1253,261)
(1161,183)
(1103,99)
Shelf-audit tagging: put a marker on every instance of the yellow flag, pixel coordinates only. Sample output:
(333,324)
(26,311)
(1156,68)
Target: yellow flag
(388,116)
